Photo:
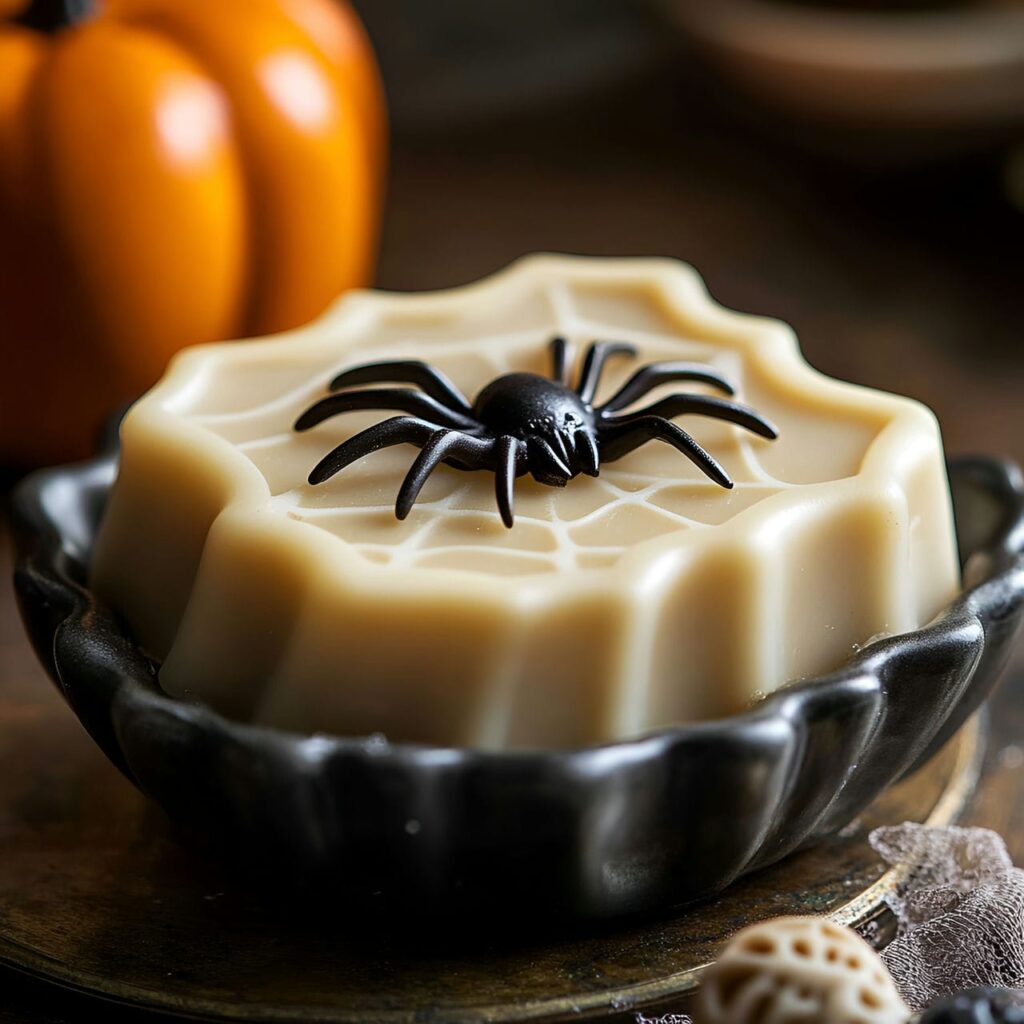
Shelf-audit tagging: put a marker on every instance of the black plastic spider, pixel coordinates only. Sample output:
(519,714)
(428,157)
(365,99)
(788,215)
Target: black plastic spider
(522,422)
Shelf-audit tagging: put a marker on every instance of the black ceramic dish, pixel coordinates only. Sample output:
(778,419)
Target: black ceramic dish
(633,826)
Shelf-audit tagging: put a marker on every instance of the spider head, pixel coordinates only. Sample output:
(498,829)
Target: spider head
(547,415)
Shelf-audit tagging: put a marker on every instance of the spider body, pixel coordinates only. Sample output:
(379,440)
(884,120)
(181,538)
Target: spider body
(522,422)
(547,417)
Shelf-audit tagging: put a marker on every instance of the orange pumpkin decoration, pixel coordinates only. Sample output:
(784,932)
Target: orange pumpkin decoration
(172,172)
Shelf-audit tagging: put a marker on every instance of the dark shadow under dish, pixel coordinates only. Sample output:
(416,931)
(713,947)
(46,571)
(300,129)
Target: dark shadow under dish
(633,826)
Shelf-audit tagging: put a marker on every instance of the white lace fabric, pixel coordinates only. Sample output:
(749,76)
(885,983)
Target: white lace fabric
(960,912)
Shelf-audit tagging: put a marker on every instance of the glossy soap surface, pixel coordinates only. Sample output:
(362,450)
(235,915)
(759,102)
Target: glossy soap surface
(642,598)
(592,523)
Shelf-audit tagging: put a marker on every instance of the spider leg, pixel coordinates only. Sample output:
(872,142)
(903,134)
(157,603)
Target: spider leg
(433,453)
(552,470)
(459,450)
(558,446)
(593,364)
(407,371)
(399,399)
(705,405)
(559,360)
(470,452)
(505,477)
(397,430)
(589,456)
(649,377)
(618,439)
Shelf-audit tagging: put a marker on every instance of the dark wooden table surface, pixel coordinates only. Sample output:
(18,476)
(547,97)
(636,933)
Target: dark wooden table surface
(911,281)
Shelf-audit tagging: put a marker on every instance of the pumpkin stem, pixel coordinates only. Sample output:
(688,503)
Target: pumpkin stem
(53,15)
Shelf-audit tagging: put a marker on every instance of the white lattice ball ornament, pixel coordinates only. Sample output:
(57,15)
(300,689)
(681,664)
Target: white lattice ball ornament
(799,970)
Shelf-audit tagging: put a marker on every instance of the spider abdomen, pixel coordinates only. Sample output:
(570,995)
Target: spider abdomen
(523,403)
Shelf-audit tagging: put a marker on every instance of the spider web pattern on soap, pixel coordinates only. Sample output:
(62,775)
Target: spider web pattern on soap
(653,492)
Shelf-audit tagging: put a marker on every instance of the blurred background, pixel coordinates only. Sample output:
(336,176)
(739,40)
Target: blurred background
(855,167)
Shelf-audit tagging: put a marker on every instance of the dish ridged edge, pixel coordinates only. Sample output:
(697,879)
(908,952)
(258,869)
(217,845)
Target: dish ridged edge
(596,831)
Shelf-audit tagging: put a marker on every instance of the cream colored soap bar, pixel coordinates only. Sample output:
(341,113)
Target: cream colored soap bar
(647,596)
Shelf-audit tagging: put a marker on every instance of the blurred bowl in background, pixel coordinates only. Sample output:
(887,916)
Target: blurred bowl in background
(884,84)
(461,63)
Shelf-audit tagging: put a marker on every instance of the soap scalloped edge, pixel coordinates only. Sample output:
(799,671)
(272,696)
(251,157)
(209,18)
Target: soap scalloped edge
(773,347)
(749,543)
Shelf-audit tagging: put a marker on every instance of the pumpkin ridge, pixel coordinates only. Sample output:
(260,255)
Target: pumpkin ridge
(308,238)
